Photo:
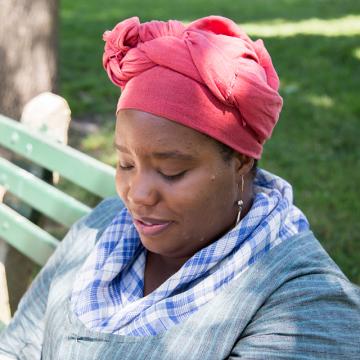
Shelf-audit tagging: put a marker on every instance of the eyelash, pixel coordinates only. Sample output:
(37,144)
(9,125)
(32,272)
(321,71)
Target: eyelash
(125,168)
(173,177)
(166,177)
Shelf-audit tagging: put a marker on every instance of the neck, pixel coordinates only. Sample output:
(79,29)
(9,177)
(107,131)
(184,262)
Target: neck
(169,264)
(158,269)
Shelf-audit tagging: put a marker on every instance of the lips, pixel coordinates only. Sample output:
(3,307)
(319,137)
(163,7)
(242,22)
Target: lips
(151,227)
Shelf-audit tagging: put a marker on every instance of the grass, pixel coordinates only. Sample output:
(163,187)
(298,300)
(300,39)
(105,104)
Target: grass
(316,49)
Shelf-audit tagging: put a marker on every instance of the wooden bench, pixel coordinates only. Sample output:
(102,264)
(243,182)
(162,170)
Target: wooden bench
(81,169)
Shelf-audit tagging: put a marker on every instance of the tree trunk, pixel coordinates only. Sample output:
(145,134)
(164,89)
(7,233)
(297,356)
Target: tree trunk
(28,67)
(28,52)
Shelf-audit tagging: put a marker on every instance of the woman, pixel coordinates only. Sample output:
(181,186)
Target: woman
(209,258)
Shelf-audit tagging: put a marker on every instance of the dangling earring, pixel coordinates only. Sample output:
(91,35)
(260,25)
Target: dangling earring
(240,203)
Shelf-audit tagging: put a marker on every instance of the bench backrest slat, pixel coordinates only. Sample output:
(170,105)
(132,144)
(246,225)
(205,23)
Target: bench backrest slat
(28,238)
(40,195)
(77,167)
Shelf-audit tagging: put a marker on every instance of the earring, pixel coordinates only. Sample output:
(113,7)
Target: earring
(240,203)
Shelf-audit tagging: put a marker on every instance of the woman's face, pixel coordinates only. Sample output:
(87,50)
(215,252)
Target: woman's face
(179,190)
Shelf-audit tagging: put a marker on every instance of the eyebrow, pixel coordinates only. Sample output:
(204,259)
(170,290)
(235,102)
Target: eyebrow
(173,154)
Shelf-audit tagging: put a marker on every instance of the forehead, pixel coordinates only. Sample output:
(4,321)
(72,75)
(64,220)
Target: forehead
(144,132)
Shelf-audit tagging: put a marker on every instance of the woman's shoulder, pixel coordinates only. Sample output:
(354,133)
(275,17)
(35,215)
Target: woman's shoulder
(300,269)
(300,256)
(304,304)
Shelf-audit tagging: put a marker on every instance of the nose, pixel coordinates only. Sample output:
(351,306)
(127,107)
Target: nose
(142,190)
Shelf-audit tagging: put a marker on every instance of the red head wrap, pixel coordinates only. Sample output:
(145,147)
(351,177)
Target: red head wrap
(209,76)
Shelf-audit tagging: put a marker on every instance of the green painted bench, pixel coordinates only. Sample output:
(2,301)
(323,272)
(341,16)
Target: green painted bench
(81,169)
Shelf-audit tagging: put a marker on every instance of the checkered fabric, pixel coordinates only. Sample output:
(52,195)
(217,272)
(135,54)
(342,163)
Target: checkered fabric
(108,291)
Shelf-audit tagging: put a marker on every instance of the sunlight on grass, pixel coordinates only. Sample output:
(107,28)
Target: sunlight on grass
(322,101)
(356,53)
(345,26)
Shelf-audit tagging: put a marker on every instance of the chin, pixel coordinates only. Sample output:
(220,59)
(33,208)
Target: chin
(152,244)
(160,247)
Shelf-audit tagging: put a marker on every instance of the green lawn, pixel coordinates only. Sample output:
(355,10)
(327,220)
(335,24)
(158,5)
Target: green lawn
(315,46)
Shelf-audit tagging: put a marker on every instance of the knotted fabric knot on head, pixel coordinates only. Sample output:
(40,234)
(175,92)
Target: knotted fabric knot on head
(125,55)
(208,75)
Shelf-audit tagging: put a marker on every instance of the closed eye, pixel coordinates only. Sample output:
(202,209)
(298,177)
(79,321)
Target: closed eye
(166,177)
(125,167)
(173,177)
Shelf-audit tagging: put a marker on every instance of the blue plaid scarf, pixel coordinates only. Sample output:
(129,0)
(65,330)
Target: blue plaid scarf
(108,291)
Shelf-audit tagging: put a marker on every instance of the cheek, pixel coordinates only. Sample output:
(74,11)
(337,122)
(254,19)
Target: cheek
(207,200)
(120,186)
(216,202)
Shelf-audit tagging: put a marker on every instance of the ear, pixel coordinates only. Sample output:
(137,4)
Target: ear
(243,164)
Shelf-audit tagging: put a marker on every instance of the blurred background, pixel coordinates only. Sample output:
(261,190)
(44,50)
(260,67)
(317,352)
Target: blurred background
(315,47)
